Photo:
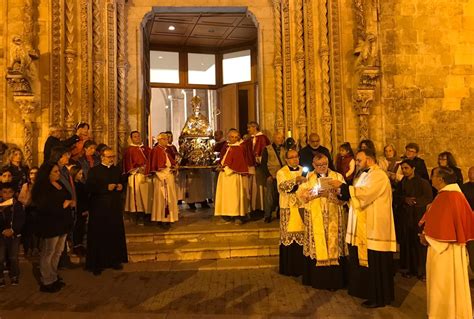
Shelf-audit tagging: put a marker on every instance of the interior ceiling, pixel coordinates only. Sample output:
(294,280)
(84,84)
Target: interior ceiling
(203,30)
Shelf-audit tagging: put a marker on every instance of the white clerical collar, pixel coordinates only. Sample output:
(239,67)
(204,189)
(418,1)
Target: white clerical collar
(108,166)
(257,134)
(451,188)
(137,145)
(236,143)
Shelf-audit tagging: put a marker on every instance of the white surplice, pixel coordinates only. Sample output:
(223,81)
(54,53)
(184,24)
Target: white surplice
(165,203)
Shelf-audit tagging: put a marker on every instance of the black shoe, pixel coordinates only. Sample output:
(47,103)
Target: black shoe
(192,206)
(369,304)
(210,201)
(51,288)
(268,220)
(205,205)
(60,282)
(14,281)
(117,267)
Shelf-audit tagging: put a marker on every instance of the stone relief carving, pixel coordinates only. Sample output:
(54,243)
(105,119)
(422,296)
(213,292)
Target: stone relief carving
(98,70)
(56,64)
(278,67)
(21,75)
(366,63)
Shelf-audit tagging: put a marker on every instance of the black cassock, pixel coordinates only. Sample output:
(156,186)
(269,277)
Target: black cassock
(106,246)
(412,252)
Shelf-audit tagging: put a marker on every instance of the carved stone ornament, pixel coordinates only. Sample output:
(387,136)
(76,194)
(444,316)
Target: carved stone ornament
(362,101)
(27,105)
(19,84)
(369,78)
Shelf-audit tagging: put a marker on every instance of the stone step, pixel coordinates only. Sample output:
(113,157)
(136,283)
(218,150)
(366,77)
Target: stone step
(205,264)
(199,235)
(226,248)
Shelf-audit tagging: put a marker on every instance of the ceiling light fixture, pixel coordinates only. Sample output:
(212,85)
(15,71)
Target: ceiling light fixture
(160,57)
(171,28)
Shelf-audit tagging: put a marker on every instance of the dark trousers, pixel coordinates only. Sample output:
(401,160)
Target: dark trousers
(10,247)
(271,197)
(79,230)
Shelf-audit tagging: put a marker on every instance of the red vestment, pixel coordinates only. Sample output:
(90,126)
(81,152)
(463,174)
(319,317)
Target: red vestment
(449,218)
(157,159)
(235,159)
(223,149)
(219,146)
(135,157)
(259,142)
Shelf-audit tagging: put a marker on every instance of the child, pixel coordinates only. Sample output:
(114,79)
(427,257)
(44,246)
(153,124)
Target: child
(30,239)
(345,163)
(12,219)
(81,210)
(6,177)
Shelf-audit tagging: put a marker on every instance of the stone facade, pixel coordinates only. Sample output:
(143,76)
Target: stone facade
(347,69)
(428,76)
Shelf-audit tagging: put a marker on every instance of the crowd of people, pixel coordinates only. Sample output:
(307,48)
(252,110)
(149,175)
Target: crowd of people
(341,220)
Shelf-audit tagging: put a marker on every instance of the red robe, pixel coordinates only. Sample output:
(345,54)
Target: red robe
(249,155)
(219,146)
(157,159)
(135,157)
(235,159)
(223,149)
(449,218)
(259,142)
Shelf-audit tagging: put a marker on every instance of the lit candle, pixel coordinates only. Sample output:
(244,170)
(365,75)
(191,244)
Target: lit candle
(288,134)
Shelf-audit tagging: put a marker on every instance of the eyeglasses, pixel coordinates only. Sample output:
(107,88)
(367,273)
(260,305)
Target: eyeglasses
(321,165)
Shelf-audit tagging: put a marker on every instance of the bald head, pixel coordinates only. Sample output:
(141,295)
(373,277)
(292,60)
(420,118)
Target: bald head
(314,140)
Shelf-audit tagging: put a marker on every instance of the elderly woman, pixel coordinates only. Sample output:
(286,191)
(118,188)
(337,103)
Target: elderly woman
(55,220)
(16,166)
(390,164)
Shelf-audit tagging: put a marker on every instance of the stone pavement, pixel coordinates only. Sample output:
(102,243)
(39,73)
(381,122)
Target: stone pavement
(141,290)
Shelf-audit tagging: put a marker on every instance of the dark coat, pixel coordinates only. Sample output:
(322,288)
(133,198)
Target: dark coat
(307,154)
(53,219)
(12,217)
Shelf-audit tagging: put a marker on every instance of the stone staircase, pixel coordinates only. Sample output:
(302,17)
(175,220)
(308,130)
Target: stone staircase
(199,237)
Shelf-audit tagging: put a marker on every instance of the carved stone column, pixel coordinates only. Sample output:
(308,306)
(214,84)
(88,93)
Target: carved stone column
(287,81)
(122,67)
(27,105)
(326,118)
(98,64)
(278,67)
(300,62)
(70,62)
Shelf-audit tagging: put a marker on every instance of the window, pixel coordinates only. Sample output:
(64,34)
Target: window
(164,67)
(201,68)
(236,67)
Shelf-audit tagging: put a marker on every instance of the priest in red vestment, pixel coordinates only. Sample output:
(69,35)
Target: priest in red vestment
(256,144)
(162,165)
(448,226)
(135,159)
(231,194)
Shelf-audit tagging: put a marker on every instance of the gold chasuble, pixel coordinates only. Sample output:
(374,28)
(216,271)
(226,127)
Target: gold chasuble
(324,222)
(291,222)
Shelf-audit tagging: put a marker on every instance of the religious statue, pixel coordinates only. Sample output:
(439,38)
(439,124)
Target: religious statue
(196,140)
(20,59)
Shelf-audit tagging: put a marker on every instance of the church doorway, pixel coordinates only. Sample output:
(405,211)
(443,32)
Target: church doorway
(206,52)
